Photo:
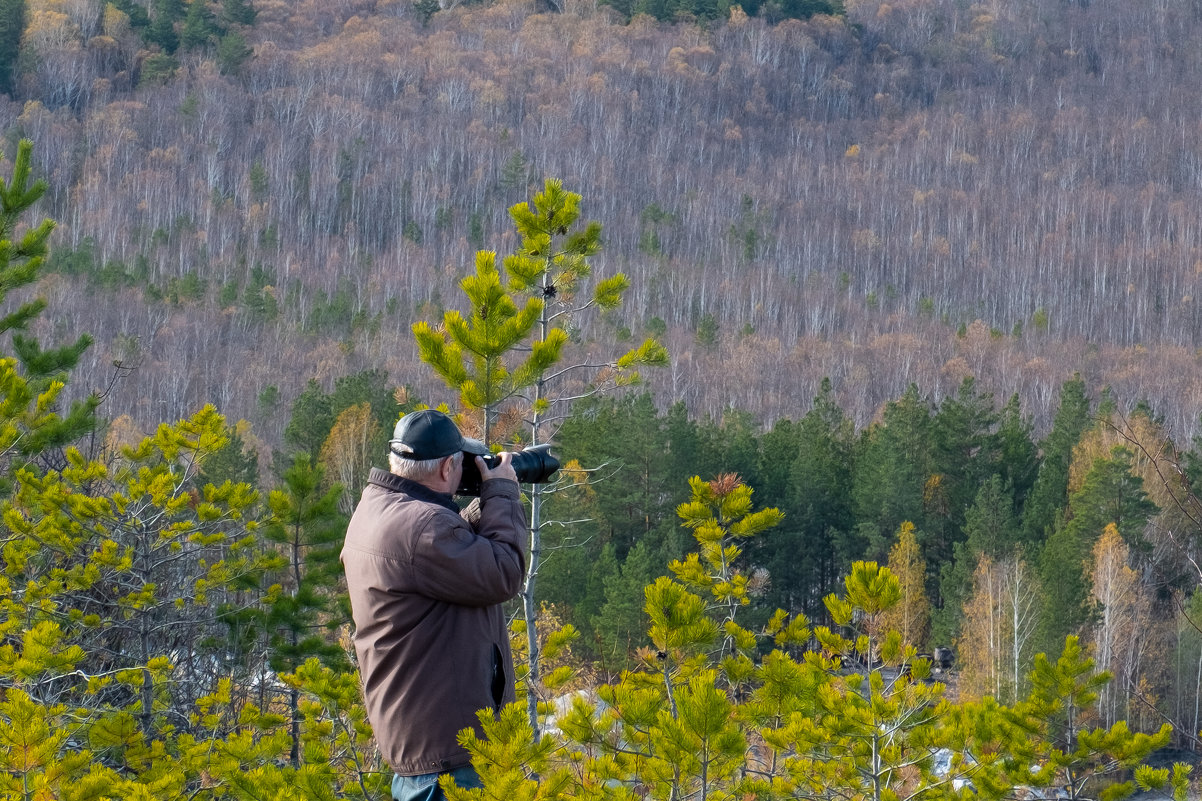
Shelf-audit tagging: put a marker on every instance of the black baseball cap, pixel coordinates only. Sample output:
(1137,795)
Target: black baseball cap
(430,434)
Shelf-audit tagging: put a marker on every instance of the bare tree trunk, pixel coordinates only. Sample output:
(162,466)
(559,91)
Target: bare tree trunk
(529,601)
(530,608)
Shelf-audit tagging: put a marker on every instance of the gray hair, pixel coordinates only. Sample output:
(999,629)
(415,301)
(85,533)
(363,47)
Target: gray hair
(418,470)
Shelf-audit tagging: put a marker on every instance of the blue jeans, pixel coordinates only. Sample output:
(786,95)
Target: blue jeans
(425,787)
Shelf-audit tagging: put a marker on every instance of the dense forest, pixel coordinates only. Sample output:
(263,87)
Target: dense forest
(909,192)
(923,277)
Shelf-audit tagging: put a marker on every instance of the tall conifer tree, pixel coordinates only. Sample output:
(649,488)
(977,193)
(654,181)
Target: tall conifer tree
(965,453)
(806,553)
(163,18)
(894,479)
(992,529)
(12,25)
(200,27)
(1049,494)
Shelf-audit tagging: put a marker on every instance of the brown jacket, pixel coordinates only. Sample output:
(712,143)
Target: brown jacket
(426,587)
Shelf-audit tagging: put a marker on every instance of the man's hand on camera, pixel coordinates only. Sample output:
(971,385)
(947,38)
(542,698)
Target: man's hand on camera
(504,468)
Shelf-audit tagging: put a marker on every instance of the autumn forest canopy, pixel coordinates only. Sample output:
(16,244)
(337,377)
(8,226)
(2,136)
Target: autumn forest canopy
(865,332)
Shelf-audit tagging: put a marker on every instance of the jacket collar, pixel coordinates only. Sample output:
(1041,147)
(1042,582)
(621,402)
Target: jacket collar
(394,483)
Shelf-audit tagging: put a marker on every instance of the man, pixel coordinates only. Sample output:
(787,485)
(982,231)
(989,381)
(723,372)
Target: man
(426,583)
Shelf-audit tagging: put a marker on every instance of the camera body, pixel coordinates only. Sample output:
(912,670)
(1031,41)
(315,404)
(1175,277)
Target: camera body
(534,465)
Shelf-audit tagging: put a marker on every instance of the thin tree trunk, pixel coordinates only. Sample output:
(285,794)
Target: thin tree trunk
(294,695)
(529,602)
(1197,689)
(530,608)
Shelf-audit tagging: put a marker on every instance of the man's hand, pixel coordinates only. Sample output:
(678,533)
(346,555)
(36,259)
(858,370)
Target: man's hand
(504,468)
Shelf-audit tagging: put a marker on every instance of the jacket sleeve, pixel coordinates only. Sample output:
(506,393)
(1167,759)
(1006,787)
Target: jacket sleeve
(477,563)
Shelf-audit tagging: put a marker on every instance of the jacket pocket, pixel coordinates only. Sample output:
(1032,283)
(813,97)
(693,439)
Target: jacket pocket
(498,677)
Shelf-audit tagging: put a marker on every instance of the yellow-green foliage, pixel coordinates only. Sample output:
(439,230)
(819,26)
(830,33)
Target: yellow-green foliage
(513,337)
(718,711)
(123,671)
(115,574)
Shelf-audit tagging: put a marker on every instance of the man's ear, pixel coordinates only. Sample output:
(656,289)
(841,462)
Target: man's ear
(447,468)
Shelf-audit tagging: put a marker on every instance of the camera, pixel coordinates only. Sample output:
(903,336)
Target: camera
(534,465)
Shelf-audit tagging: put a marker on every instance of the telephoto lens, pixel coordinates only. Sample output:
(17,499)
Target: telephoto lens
(534,465)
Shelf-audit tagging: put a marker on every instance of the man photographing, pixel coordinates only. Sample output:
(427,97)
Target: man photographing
(426,585)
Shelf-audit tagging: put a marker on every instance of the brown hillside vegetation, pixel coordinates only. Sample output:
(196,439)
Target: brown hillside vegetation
(914,193)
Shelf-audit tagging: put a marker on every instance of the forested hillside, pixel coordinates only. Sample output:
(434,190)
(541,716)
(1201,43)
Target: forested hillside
(910,192)
(925,276)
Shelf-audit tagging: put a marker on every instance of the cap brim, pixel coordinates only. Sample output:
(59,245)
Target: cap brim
(474,446)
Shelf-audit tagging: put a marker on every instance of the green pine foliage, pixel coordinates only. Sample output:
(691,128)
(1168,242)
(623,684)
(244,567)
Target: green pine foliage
(806,469)
(897,482)
(1058,740)
(1049,494)
(164,16)
(637,484)
(520,323)
(720,517)
(138,17)
(715,710)
(307,527)
(991,528)
(469,354)
(12,25)
(966,453)
(238,12)
(310,422)
(33,420)
(118,573)
(199,28)
(1018,456)
(233,52)
(235,462)
(310,603)
(621,622)
(314,412)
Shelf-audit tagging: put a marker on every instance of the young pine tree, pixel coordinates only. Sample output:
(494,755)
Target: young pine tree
(307,528)
(34,424)
(1059,750)
(506,358)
